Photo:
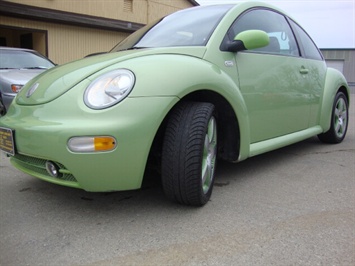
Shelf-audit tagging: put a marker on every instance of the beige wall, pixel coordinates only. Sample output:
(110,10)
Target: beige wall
(68,43)
(143,11)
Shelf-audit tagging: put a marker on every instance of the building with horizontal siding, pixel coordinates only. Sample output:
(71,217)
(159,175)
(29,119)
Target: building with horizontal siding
(68,30)
(344,61)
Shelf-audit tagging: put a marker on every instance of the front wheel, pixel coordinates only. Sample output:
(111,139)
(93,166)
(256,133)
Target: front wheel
(339,120)
(189,153)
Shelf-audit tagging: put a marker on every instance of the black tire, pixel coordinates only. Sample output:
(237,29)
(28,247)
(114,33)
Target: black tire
(339,121)
(2,108)
(189,153)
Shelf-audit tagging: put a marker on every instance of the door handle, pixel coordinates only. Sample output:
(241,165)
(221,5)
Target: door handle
(304,70)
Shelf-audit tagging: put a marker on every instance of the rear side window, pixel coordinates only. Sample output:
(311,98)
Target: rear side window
(310,50)
(282,40)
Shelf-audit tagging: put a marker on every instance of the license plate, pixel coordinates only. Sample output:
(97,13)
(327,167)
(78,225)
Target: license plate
(7,143)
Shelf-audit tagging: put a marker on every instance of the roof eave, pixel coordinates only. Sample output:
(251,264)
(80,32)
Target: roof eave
(68,18)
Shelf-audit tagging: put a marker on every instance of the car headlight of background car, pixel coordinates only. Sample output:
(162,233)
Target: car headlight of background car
(16,87)
(109,89)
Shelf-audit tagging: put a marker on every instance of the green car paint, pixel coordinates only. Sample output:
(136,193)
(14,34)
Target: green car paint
(253,39)
(267,101)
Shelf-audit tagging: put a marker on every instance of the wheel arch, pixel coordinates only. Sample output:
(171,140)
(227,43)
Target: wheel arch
(228,132)
(228,123)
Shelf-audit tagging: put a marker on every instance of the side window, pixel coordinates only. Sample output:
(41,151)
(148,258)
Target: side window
(282,40)
(309,48)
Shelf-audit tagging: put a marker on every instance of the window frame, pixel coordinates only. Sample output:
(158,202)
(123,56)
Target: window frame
(227,39)
(299,40)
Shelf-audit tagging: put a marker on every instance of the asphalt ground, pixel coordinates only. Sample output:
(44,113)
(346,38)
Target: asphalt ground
(293,206)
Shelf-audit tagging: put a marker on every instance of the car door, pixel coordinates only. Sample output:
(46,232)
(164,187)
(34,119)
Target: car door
(316,67)
(273,79)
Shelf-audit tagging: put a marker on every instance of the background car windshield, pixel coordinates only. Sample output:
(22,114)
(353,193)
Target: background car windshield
(190,27)
(22,59)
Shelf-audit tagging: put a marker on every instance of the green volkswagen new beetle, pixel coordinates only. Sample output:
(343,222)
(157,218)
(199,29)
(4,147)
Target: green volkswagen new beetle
(214,82)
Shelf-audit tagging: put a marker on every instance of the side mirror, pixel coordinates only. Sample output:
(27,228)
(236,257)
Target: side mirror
(249,39)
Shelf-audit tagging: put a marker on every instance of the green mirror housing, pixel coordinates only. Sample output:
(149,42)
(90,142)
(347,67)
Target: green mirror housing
(248,40)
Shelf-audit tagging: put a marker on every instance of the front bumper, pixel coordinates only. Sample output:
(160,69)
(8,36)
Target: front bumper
(41,134)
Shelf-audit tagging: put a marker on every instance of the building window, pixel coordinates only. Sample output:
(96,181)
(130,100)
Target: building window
(128,5)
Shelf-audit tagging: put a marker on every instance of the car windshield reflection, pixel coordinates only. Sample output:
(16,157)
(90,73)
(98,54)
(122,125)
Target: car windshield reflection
(22,60)
(190,27)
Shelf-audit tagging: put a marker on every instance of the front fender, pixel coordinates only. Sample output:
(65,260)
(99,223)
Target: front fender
(181,75)
(334,80)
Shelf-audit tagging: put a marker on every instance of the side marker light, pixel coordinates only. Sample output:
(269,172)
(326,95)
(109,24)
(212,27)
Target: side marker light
(92,144)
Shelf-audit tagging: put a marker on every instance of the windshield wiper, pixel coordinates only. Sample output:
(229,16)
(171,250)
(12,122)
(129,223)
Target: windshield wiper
(37,67)
(133,48)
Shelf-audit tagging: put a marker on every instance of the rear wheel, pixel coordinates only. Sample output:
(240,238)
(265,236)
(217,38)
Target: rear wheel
(189,153)
(339,121)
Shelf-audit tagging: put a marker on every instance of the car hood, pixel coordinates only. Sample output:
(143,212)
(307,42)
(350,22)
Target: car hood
(18,76)
(58,80)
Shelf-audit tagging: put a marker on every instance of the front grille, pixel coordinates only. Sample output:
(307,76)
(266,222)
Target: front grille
(38,166)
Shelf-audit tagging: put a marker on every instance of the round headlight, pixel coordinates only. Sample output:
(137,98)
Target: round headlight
(109,89)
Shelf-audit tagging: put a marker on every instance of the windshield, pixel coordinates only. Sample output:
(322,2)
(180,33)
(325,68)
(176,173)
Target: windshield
(189,27)
(17,59)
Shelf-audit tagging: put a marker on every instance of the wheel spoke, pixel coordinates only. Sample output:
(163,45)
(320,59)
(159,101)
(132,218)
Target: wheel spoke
(205,161)
(206,177)
(209,155)
(343,115)
(340,118)
(337,127)
(341,105)
(211,130)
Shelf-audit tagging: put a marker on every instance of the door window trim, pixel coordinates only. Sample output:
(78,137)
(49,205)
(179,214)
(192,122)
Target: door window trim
(227,39)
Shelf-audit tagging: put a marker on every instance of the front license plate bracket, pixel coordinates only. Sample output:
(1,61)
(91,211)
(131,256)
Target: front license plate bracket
(7,143)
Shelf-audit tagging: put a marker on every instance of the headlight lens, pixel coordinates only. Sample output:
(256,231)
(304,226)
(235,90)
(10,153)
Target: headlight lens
(109,89)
